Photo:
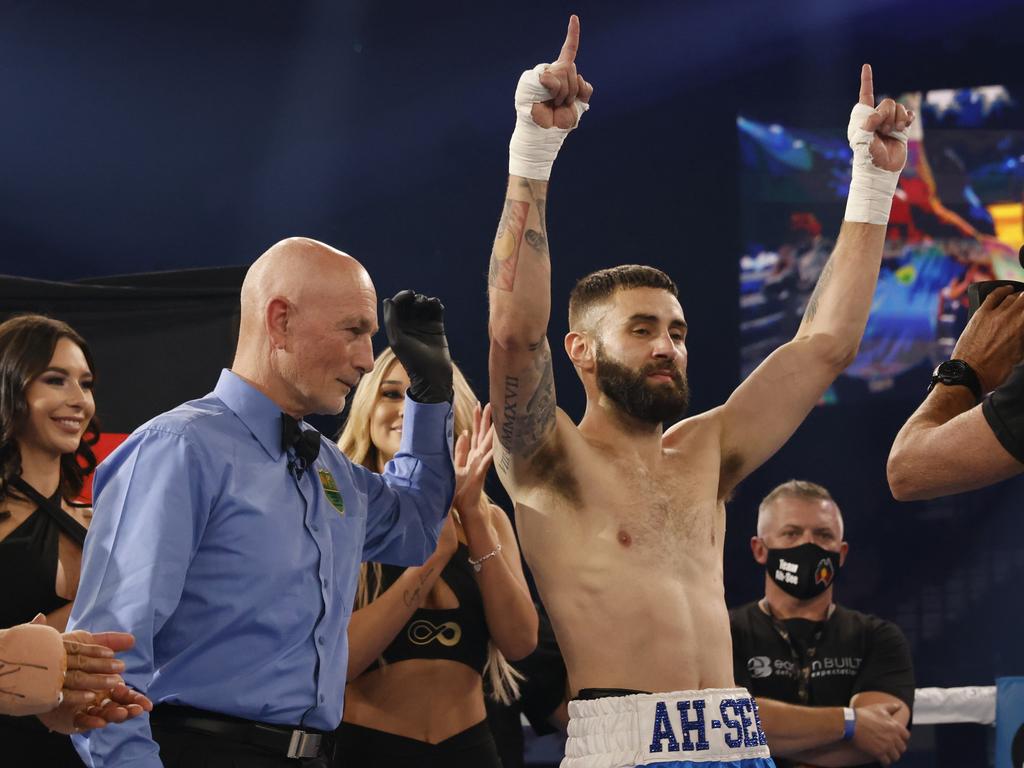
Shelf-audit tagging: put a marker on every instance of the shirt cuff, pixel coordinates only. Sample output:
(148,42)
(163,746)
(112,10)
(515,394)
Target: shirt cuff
(427,428)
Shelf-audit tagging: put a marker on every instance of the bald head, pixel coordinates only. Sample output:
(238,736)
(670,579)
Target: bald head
(307,314)
(297,270)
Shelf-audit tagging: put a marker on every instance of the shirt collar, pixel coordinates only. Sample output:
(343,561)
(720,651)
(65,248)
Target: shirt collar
(260,414)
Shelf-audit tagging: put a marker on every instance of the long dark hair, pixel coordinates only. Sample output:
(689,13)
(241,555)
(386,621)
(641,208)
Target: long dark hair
(27,343)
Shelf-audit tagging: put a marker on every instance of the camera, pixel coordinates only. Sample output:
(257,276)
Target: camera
(976,292)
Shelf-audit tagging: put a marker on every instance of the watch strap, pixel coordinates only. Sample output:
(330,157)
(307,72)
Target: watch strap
(962,375)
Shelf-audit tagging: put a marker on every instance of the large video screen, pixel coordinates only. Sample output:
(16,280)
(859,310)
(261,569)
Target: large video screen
(957,218)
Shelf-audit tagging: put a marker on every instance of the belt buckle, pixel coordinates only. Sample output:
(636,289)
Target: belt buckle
(303,744)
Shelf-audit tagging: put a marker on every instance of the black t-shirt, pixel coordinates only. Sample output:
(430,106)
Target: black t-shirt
(855,652)
(1004,411)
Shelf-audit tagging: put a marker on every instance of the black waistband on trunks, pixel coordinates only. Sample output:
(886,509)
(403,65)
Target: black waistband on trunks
(587,694)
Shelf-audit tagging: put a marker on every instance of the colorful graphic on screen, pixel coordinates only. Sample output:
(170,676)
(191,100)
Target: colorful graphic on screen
(958,217)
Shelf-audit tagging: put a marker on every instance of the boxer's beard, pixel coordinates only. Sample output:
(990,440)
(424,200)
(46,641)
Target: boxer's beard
(646,401)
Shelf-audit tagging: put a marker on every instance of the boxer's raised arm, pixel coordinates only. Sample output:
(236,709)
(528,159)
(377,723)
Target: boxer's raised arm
(522,385)
(768,407)
(549,102)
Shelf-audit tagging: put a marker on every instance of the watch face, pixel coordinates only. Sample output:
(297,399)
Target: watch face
(951,369)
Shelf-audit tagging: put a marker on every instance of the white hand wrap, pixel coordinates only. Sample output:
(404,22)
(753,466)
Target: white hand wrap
(532,150)
(871,188)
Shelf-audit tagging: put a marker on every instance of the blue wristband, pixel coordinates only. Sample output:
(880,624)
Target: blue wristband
(849,723)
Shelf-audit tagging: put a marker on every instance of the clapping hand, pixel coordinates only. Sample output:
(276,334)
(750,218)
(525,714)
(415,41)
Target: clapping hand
(473,454)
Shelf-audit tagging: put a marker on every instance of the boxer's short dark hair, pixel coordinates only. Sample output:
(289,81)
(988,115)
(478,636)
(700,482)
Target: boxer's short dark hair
(601,285)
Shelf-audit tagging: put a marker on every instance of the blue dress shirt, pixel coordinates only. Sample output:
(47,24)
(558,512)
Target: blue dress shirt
(237,577)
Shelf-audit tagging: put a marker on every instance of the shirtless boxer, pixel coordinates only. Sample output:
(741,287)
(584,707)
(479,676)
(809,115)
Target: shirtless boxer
(622,522)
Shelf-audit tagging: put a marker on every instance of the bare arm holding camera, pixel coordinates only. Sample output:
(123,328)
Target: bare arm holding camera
(949,445)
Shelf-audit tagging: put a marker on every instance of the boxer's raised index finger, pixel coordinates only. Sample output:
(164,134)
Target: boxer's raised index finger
(572,41)
(867,86)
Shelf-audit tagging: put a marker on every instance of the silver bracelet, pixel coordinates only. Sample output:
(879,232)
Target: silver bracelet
(479,564)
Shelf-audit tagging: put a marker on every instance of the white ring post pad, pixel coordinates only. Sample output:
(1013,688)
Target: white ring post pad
(714,725)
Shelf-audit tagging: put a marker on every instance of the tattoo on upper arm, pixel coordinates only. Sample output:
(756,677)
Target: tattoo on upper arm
(524,425)
(819,289)
(506,459)
(505,254)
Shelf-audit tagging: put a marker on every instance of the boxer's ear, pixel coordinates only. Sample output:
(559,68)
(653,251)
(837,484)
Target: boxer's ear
(580,348)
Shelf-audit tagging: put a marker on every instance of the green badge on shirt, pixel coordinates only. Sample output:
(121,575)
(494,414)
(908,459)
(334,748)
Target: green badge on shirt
(331,490)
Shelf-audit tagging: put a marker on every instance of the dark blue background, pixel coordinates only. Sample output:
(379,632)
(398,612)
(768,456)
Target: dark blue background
(151,136)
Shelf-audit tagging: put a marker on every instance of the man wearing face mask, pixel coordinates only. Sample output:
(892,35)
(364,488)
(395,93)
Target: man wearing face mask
(834,686)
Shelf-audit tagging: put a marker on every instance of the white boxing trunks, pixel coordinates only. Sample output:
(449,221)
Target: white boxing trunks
(683,729)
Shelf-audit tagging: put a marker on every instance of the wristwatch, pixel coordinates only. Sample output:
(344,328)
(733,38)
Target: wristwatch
(954,373)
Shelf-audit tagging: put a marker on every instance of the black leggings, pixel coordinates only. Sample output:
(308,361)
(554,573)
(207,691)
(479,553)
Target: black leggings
(359,747)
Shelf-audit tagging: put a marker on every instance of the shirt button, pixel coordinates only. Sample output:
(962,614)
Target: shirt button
(322,698)
(325,583)
(320,639)
(315,527)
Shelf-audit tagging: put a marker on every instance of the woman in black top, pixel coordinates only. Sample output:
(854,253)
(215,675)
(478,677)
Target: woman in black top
(422,639)
(47,428)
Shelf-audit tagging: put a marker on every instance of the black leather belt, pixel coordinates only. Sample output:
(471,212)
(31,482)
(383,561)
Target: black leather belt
(280,739)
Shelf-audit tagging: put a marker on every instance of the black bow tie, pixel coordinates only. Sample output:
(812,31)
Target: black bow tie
(305,442)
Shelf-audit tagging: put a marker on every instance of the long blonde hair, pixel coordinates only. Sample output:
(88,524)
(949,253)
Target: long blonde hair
(355,442)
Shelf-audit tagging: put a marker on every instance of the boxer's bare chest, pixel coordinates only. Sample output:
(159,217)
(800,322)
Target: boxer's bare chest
(660,508)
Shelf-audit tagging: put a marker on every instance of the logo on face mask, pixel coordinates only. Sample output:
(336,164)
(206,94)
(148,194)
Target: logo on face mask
(825,572)
(804,571)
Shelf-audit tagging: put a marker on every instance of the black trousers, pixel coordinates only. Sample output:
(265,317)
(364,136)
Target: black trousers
(25,743)
(181,748)
(359,747)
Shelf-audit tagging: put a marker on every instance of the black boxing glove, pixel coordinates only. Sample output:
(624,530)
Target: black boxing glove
(415,327)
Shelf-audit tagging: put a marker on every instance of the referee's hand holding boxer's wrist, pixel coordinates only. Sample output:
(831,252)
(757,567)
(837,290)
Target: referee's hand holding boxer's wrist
(415,327)
(993,341)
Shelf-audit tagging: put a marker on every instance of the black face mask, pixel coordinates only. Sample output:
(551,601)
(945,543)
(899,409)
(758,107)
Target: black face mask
(803,572)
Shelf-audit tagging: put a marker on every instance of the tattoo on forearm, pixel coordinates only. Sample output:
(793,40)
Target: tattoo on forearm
(819,289)
(412,598)
(537,241)
(505,254)
(523,426)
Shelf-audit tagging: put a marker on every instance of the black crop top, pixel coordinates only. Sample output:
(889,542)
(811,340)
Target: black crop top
(28,559)
(457,634)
